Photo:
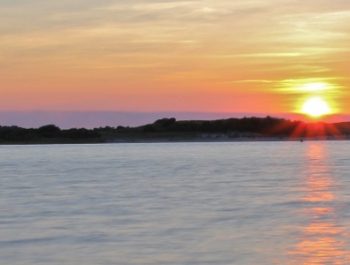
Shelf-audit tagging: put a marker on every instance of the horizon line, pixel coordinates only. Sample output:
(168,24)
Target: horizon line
(94,119)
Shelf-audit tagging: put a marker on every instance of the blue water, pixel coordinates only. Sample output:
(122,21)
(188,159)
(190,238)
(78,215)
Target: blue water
(176,204)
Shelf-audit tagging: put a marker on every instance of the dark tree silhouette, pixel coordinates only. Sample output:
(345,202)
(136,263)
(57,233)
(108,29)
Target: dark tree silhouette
(49,131)
(167,128)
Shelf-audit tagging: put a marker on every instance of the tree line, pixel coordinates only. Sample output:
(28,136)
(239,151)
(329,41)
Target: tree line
(264,127)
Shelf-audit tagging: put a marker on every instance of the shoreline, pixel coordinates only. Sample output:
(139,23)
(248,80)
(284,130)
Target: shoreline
(145,141)
(169,130)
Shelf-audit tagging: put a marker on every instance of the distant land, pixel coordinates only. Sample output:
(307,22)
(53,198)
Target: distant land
(172,130)
(94,119)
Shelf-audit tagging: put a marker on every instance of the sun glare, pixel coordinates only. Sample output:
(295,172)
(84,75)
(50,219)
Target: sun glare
(314,87)
(316,107)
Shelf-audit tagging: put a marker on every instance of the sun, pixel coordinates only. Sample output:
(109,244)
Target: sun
(316,107)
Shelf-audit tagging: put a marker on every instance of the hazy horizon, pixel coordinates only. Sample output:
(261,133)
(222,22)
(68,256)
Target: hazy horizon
(93,119)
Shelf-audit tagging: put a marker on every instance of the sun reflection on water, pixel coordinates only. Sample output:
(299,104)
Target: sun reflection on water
(322,238)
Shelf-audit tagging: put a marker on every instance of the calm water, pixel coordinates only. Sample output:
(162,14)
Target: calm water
(180,203)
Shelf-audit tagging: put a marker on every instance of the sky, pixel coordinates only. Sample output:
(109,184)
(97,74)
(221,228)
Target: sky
(251,56)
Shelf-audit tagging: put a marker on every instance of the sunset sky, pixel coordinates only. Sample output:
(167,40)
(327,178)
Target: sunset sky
(258,56)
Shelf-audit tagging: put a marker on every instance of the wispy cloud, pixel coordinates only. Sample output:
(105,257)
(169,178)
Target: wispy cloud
(257,81)
(165,45)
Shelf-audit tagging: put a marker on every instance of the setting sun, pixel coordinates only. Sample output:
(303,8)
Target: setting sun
(316,107)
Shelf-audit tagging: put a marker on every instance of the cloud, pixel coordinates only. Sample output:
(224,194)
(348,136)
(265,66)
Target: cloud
(194,43)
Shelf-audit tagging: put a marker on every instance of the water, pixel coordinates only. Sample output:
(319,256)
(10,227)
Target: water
(176,204)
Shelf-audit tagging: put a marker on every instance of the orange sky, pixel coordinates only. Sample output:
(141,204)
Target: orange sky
(153,55)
